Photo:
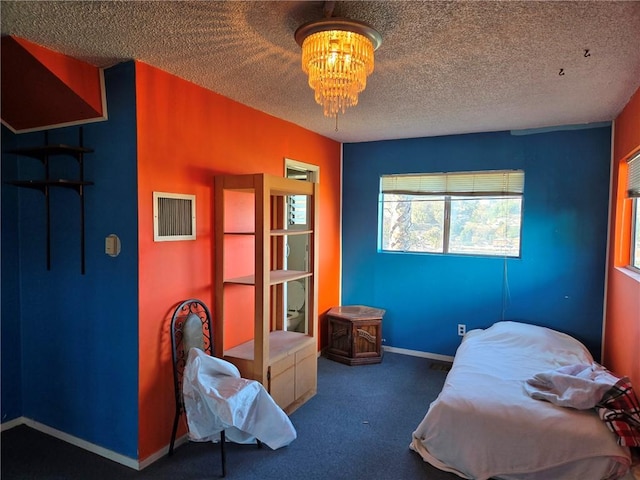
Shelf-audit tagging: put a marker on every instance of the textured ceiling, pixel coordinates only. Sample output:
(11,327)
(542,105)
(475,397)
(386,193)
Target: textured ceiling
(443,67)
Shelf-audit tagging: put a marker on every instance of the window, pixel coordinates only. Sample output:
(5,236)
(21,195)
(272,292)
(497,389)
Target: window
(297,204)
(633,191)
(475,213)
(297,209)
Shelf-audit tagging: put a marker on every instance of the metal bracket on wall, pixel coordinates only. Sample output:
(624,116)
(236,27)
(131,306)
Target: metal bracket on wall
(44,153)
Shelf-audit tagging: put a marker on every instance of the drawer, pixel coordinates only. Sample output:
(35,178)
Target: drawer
(305,352)
(282,364)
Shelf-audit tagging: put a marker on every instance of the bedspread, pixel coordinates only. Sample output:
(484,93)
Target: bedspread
(483,424)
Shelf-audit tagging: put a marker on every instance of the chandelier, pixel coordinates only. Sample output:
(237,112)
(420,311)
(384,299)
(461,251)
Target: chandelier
(337,54)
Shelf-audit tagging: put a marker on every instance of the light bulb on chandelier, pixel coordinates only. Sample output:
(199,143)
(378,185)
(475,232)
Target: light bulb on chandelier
(337,54)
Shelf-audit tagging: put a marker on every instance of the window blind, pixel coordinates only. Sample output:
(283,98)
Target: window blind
(633,177)
(297,209)
(485,183)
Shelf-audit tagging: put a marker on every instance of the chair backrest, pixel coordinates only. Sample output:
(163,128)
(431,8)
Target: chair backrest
(191,326)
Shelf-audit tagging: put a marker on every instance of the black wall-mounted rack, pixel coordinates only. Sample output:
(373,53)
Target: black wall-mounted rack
(44,154)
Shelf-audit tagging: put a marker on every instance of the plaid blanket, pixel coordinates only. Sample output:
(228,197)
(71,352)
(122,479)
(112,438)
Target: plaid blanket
(620,411)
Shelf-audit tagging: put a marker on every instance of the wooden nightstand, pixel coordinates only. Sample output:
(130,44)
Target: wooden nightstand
(355,334)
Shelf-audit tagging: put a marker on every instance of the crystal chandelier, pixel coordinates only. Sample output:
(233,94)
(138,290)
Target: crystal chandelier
(337,54)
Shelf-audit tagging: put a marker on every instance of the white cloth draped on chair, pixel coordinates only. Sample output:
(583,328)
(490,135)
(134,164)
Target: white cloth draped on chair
(216,398)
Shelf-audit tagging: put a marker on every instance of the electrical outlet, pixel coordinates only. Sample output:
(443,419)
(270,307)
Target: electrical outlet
(462,329)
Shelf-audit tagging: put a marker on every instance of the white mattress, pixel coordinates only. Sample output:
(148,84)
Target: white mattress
(484,425)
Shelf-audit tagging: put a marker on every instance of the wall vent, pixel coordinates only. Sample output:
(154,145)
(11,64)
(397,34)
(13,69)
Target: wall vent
(174,217)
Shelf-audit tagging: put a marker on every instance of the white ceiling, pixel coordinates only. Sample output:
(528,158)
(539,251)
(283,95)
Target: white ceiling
(443,67)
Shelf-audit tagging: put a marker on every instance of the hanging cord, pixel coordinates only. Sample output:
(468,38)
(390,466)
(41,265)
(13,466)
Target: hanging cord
(506,294)
(336,121)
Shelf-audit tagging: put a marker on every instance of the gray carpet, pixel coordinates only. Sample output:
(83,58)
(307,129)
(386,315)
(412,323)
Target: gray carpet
(358,426)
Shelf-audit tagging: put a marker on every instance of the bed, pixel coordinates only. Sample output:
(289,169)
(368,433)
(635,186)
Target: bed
(484,425)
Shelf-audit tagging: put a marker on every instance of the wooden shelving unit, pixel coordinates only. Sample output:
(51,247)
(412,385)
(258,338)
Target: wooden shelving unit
(284,362)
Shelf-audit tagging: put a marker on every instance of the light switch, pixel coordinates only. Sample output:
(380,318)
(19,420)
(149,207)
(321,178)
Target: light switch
(112,245)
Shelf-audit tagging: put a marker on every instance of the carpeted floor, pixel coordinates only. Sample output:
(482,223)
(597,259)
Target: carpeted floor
(358,426)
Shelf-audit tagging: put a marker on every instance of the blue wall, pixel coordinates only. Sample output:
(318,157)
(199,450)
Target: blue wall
(559,280)
(75,347)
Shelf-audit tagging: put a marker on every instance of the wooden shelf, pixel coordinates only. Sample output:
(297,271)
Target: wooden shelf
(281,276)
(281,344)
(284,362)
(276,277)
(275,233)
(283,232)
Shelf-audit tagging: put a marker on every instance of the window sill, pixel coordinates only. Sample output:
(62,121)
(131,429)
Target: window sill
(629,273)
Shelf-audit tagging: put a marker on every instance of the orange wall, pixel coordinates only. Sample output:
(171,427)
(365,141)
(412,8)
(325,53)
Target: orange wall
(186,135)
(621,351)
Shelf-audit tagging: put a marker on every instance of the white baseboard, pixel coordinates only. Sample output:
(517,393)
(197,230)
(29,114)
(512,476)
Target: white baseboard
(12,423)
(78,442)
(163,452)
(416,353)
(91,447)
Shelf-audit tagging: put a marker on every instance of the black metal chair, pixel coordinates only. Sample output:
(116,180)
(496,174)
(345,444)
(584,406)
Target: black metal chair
(190,327)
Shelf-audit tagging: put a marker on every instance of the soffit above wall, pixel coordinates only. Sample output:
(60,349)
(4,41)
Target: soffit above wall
(43,89)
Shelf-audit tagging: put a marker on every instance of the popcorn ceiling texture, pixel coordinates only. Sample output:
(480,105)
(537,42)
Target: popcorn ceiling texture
(443,67)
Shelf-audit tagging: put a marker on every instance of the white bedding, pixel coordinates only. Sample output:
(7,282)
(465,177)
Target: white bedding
(483,424)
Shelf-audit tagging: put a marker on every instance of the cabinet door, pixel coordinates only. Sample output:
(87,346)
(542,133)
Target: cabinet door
(367,341)
(340,337)
(306,371)
(282,382)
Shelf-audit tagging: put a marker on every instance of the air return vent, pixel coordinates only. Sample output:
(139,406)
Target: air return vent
(174,217)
